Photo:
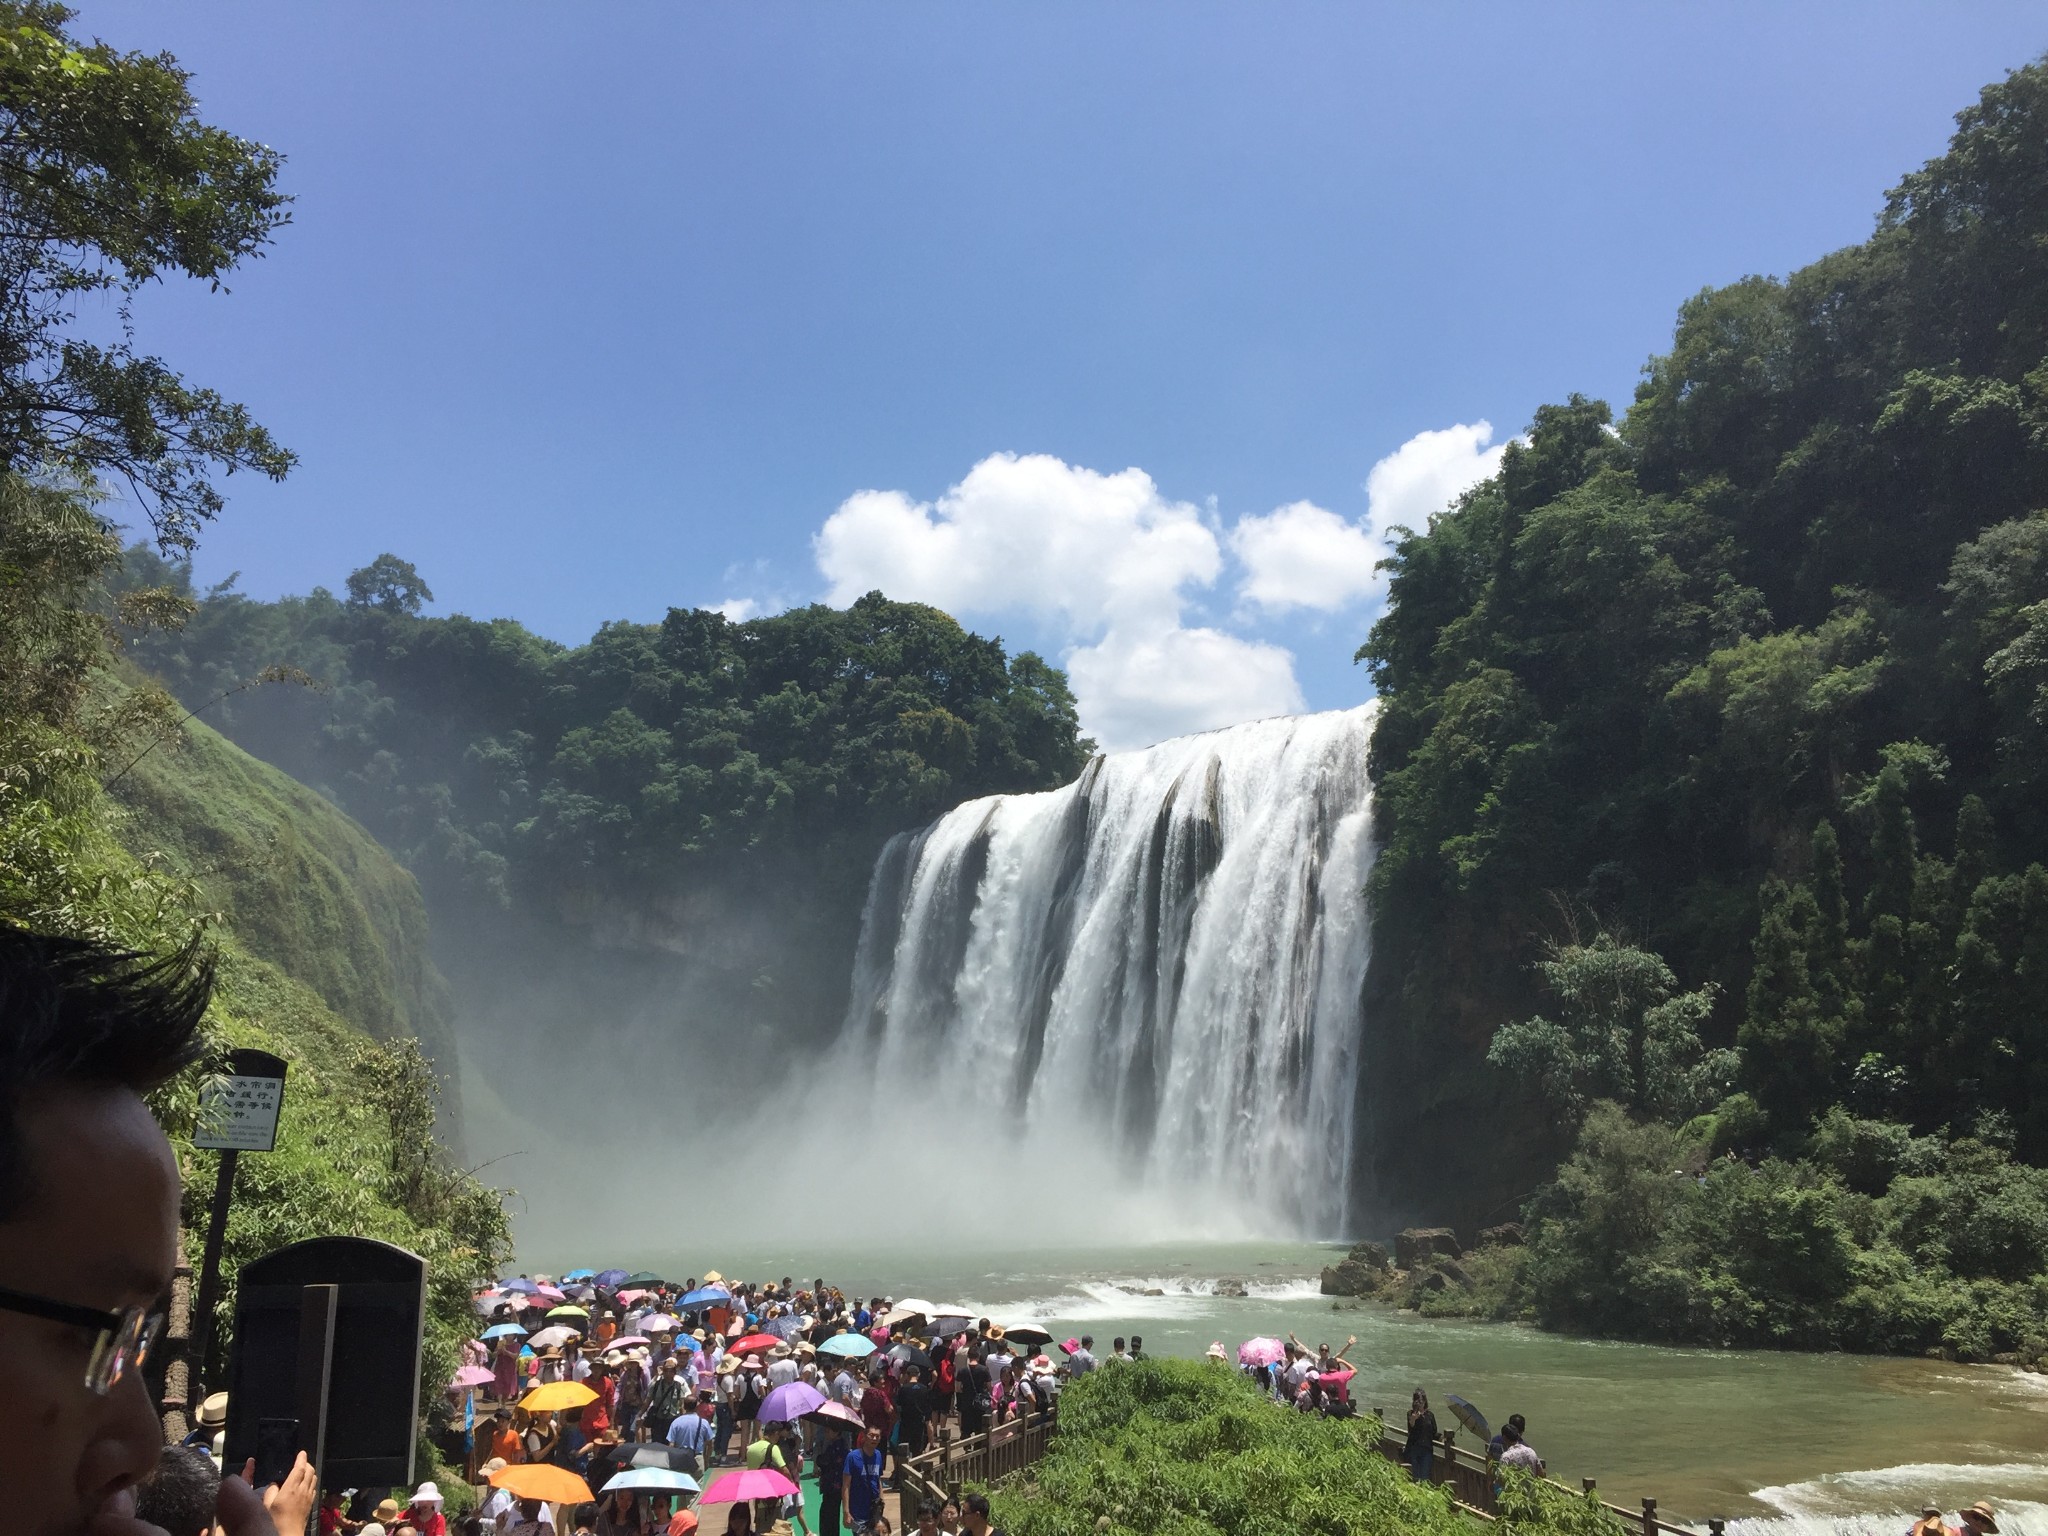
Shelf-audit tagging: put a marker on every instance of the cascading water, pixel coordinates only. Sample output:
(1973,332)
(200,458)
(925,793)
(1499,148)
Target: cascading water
(1152,974)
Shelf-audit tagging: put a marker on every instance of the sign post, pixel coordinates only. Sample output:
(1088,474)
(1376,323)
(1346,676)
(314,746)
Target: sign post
(238,1112)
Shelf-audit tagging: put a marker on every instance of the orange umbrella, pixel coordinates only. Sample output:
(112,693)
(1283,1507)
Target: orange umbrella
(558,1394)
(538,1480)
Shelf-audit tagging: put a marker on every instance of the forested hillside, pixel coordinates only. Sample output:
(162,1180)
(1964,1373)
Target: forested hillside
(670,827)
(1714,756)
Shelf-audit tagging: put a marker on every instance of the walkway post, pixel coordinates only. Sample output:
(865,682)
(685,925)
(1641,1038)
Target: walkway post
(1649,1517)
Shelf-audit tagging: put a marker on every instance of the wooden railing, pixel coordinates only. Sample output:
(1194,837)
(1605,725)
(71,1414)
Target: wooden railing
(1469,1476)
(953,1463)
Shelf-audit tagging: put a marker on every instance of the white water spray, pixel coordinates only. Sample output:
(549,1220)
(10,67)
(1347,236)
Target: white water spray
(1153,972)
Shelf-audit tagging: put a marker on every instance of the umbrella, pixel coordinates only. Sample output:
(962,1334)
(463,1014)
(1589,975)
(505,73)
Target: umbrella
(489,1301)
(548,1338)
(684,1341)
(630,1341)
(549,1293)
(705,1295)
(540,1480)
(502,1330)
(943,1325)
(836,1413)
(643,1278)
(580,1274)
(609,1277)
(654,1456)
(470,1376)
(753,1483)
(907,1353)
(1470,1417)
(910,1304)
(518,1283)
(578,1292)
(1027,1333)
(791,1401)
(660,1322)
(754,1341)
(570,1312)
(658,1479)
(853,1345)
(557,1394)
(1260,1352)
(629,1297)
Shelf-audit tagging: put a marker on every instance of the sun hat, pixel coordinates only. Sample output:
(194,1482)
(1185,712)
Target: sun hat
(1930,1511)
(1070,1345)
(996,1331)
(1982,1510)
(427,1493)
(1215,1351)
(389,1510)
(1041,1362)
(213,1413)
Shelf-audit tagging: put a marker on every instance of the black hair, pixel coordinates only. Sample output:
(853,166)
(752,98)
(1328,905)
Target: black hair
(976,1503)
(78,1013)
(1087,1341)
(179,1495)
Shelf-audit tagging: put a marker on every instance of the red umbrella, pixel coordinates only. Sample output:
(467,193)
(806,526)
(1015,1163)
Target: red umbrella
(752,1342)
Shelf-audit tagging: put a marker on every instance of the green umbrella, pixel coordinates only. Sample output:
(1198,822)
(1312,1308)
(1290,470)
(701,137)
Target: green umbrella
(643,1278)
(569,1312)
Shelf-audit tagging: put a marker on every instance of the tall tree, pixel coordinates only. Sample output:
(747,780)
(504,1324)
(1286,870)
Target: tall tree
(109,181)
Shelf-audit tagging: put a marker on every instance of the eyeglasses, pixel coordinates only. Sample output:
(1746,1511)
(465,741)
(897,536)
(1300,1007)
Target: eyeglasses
(123,1341)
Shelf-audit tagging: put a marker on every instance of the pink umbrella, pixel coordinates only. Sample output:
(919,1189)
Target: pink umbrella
(836,1413)
(550,1292)
(633,1296)
(661,1322)
(753,1483)
(1260,1352)
(470,1376)
(628,1342)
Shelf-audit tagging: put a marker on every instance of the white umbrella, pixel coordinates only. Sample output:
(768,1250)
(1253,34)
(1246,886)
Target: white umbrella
(548,1338)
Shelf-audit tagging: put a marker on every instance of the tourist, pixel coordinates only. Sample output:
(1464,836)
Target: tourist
(913,1411)
(179,1496)
(425,1513)
(385,1519)
(864,1482)
(739,1520)
(666,1399)
(1137,1348)
(975,1516)
(1978,1520)
(1082,1360)
(1116,1349)
(1420,1448)
(690,1437)
(1498,1443)
(949,1519)
(527,1521)
(1517,1452)
(619,1514)
(832,1449)
(1930,1523)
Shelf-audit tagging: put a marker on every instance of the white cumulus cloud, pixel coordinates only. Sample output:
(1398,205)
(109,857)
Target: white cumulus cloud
(1106,559)
(1305,556)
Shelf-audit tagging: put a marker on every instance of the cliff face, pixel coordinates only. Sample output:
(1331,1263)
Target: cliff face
(301,886)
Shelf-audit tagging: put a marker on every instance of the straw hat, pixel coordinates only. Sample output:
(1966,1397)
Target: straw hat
(781,1352)
(214,1411)
(728,1365)
(700,1335)
(1979,1517)
(1215,1351)
(389,1510)
(996,1331)
(495,1464)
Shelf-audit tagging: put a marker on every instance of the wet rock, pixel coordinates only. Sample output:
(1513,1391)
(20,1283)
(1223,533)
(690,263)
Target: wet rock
(1152,1291)
(1235,1290)
(1417,1245)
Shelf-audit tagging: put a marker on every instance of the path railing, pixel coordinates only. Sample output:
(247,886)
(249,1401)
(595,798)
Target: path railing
(955,1461)
(1469,1477)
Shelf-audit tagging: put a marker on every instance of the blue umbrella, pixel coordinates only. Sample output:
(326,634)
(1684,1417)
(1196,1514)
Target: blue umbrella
(502,1330)
(1470,1417)
(521,1284)
(581,1274)
(684,1341)
(704,1296)
(852,1345)
(658,1479)
(611,1279)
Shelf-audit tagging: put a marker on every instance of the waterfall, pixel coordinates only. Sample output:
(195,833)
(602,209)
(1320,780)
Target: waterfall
(1149,978)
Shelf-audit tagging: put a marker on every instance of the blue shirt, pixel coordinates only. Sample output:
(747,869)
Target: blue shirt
(863,1483)
(691,1432)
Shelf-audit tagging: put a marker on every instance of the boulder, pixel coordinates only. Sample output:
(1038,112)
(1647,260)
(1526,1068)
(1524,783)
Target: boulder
(1507,1235)
(1236,1291)
(1417,1245)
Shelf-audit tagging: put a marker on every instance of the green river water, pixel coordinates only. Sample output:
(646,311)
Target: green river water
(1785,1443)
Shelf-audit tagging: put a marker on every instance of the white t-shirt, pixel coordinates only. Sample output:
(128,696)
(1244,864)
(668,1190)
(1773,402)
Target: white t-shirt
(781,1373)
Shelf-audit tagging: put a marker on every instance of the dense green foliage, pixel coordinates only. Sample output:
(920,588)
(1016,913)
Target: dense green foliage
(1758,678)
(498,762)
(108,182)
(319,933)
(1177,1447)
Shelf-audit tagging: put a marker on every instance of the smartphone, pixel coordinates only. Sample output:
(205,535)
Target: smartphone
(277,1447)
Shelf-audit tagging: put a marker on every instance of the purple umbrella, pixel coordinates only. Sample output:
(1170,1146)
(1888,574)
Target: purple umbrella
(791,1401)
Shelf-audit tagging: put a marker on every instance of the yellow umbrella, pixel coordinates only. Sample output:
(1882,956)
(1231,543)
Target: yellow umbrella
(557,1394)
(539,1480)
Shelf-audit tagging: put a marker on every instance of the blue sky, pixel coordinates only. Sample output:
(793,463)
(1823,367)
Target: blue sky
(1114,309)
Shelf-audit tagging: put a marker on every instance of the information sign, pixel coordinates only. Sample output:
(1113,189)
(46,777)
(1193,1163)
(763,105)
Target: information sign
(238,1110)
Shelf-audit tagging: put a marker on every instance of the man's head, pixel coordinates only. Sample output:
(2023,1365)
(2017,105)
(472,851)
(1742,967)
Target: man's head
(869,1439)
(88,1204)
(1117,1344)
(1136,1343)
(179,1497)
(1087,1341)
(976,1510)
(1978,1520)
